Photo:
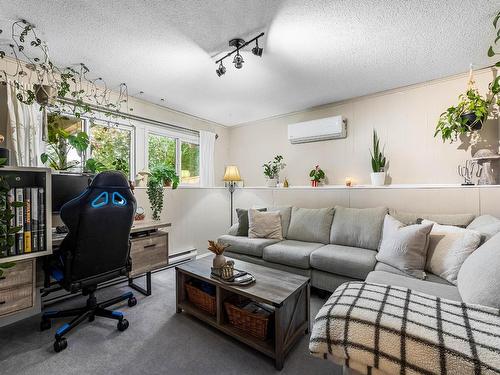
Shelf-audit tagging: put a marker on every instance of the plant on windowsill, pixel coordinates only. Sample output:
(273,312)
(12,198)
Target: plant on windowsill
(7,231)
(378,162)
(316,175)
(161,176)
(60,142)
(272,170)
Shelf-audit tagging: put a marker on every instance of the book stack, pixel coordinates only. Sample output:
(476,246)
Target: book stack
(30,218)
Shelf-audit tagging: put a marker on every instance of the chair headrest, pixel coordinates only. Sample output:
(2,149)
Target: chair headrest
(110,179)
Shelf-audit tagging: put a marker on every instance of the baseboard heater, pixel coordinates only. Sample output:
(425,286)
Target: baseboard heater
(173,260)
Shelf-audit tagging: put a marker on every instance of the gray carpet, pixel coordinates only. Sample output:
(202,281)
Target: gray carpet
(158,341)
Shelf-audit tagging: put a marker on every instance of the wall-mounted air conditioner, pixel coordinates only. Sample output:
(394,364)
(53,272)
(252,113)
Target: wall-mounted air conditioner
(318,130)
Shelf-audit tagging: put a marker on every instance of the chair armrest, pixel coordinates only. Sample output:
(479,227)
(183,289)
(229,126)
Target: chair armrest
(393,329)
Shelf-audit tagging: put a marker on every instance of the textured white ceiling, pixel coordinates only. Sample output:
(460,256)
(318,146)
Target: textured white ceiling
(315,52)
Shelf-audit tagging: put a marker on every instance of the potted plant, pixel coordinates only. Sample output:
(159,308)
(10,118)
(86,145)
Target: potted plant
(272,170)
(316,175)
(60,142)
(160,177)
(378,162)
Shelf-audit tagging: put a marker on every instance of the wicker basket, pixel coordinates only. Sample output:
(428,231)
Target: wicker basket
(253,324)
(201,299)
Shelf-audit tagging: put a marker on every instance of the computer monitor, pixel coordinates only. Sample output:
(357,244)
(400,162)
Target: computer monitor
(65,187)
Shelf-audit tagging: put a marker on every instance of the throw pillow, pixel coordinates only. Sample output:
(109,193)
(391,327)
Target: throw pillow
(449,247)
(404,247)
(486,225)
(243,221)
(459,220)
(264,225)
(310,224)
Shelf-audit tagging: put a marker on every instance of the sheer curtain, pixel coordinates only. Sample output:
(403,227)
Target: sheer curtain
(207,159)
(23,136)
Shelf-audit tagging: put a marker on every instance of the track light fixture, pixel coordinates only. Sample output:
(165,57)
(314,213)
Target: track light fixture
(238,61)
(220,70)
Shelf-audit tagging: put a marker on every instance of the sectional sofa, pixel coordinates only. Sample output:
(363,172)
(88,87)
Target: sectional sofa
(336,245)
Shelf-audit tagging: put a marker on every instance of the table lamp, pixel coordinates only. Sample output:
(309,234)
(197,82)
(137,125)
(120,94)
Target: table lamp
(232,175)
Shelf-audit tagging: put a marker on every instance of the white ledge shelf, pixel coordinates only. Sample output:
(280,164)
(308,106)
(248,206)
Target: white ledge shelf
(339,187)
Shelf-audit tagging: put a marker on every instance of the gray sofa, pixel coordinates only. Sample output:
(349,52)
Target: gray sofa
(336,245)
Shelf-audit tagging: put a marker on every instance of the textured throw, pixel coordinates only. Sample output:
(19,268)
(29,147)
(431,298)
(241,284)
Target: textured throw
(381,329)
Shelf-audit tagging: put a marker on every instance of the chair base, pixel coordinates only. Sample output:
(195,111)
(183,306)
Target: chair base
(89,312)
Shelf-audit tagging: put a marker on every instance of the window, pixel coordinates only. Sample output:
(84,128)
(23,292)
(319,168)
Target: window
(161,150)
(190,163)
(111,146)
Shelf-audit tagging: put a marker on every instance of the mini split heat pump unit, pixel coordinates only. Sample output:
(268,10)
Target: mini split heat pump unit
(318,130)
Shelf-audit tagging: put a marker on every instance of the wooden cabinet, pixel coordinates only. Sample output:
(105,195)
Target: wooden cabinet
(17,287)
(149,253)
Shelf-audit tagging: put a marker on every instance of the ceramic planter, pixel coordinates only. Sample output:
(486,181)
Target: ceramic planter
(272,182)
(219,261)
(378,178)
(44,94)
(314,183)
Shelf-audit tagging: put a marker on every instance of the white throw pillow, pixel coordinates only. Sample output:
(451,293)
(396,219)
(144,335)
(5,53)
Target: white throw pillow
(449,247)
(404,247)
(264,224)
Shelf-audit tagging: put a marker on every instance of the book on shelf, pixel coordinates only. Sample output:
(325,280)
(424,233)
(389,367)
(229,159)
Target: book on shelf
(41,219)
(34,220)
(27,220)
(11,197)
(19,237)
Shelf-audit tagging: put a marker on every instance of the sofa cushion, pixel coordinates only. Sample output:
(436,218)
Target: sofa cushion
(479,277)
(347,261)
(428,276)
(243,221)
(286,215)
(264,225)
(459,220)
(405,247)
(310,224)
(357,227)
(486,225)
(245,245)
(291,253)
(446,291)
(449,247)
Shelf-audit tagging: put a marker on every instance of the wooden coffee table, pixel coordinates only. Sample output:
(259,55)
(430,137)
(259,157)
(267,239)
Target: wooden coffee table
(286,292)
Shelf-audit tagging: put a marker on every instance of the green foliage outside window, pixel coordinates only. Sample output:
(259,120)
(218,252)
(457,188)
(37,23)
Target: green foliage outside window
(110,147)
(190,166)
(161,151)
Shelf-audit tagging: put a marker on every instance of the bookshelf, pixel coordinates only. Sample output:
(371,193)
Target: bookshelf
(24,182)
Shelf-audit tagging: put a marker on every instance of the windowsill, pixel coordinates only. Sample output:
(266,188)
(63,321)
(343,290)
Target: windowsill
(343,187)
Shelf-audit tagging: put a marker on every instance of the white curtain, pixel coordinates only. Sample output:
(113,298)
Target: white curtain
(23,136)
(207,157)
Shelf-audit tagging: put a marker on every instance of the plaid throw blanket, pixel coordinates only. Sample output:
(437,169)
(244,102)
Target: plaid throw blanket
(381,329)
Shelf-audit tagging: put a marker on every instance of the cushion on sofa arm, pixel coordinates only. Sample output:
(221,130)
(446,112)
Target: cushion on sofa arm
(245,245)
(233,230)
(286,215)
(310,224)
(357,227)
(479,277)
(447,291)
(408,218)
(348,261)
(291,253)
(486,225)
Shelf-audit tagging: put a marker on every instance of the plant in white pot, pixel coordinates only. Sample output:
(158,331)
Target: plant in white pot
(378,162)
(272,170)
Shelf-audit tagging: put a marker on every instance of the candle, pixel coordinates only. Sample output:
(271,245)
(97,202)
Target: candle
(348,181)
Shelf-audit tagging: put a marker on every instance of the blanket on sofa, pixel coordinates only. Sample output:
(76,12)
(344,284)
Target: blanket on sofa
(382,329)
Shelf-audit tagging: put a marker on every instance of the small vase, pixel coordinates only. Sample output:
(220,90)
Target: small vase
(314,183)
(219,261)
(272,182)
(378,178)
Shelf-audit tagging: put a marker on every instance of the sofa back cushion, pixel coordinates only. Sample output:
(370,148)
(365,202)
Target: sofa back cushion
(486,225)
(358,227)
(286,215)
(310,224)
(459,220)
(479,276)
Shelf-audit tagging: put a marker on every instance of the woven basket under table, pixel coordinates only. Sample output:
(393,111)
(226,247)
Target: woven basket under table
(253,324)
(201,299)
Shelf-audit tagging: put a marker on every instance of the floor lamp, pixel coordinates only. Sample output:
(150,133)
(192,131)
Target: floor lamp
(231,176)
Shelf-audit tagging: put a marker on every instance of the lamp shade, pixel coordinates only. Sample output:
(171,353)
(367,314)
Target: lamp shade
(232,173)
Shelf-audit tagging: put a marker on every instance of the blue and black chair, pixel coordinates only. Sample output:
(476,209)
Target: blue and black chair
(95,250)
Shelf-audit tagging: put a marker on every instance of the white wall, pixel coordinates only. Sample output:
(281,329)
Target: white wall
(405,120)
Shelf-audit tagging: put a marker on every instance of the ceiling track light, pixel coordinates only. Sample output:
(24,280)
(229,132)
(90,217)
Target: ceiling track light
(238,61)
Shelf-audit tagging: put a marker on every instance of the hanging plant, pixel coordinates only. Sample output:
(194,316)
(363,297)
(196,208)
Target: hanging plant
(161,176)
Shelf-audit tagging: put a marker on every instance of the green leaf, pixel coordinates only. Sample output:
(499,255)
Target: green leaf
(44,157)
(491,53)
(495,21)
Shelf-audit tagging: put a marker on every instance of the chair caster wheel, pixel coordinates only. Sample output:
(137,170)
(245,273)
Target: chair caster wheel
(45,324)
(122,325)
(60,345)
(132,301)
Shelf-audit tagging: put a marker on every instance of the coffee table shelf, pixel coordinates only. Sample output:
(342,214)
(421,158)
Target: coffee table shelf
(289,297)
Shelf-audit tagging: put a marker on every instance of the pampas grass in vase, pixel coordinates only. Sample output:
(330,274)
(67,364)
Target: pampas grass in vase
(218,249)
